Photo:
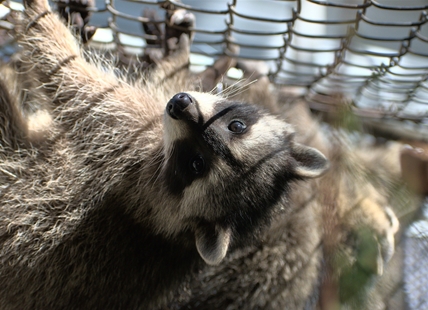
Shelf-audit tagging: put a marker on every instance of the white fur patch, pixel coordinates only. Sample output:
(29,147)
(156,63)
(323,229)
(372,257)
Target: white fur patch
(206,103)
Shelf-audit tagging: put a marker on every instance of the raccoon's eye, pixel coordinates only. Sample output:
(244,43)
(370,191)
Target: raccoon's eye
(197,164)
(237,127)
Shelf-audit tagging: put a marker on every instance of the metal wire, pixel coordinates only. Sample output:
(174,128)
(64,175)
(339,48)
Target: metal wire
(374,53)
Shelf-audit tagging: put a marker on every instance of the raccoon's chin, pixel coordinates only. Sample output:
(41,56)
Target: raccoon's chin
(212,242)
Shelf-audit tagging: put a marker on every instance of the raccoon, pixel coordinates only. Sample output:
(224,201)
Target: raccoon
(331,245)
(128,188)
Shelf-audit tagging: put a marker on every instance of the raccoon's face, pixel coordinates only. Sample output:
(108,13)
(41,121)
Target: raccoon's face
(229,164)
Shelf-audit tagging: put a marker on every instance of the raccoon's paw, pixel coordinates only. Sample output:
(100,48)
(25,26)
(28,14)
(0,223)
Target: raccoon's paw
(365,250)
(182,18)
(77,14)
(178,45)
(375,225)
(376,243)
(178,22)
(362,256)
(38,6)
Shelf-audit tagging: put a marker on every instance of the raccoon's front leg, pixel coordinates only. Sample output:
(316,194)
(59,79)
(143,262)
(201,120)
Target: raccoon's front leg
(51,59)
(173,67)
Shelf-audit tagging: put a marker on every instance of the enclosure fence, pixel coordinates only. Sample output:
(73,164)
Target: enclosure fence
(373,53)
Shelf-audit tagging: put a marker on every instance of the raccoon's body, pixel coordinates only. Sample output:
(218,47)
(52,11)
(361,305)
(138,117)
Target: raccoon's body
(118,199)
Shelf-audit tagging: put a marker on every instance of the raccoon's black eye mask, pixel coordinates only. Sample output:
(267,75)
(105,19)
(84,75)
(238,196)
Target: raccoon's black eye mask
(237,115)
(185,107)
(217,116)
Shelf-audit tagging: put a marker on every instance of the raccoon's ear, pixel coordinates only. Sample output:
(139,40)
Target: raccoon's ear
(212,243)
(311,163)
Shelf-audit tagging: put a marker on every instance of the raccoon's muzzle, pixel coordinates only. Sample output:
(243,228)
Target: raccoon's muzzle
(178,106)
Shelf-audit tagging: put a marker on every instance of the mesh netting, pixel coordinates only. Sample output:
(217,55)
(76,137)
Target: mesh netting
(373,52)
(415,266)
(415,269)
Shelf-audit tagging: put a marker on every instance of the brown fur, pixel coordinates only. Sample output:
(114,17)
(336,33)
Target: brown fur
(100,209)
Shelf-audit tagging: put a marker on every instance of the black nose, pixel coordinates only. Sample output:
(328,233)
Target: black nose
(178,104)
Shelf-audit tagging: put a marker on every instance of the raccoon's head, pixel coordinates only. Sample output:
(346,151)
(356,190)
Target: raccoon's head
(229,164)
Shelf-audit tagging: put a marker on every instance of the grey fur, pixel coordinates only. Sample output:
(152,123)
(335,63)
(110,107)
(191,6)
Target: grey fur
(100,211)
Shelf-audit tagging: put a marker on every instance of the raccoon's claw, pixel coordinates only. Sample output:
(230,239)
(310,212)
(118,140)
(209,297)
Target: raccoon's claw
(387,240)
(87,33)
(377,247)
